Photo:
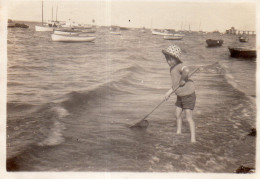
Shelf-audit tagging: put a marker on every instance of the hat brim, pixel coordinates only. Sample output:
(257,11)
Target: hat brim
(167,53)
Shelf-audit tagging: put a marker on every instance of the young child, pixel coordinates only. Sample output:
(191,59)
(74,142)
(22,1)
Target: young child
(186,97)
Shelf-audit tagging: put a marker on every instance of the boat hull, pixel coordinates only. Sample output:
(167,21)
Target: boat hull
(160,33)
(242,52)
(115,33)
(58,32)
(43,28)
(214,43)
(243,39)
(172,37)
(69,38)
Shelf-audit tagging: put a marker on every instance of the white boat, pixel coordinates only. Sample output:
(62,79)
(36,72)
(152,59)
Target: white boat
(172,37)
(66,32)
(115,32)
(10,23)
(43,28)
(178,35)
(50,26)
(72,38)
(89,30)
(155,32)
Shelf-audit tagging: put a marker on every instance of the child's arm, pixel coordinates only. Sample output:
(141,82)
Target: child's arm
(184,75)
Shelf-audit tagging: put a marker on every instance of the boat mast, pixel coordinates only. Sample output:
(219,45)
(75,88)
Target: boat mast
(42,12)
(56,12)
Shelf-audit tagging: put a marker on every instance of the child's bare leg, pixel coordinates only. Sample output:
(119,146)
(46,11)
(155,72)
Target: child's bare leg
(179,120)
(188,115)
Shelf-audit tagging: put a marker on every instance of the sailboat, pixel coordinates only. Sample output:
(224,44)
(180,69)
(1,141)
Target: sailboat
(47,27)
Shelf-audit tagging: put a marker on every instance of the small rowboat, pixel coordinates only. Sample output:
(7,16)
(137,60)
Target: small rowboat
(243,39)
(72,38)
(89,30)
(242,52)
(155,32)
(115,32)
(178,35)
(172,37)
(214,43)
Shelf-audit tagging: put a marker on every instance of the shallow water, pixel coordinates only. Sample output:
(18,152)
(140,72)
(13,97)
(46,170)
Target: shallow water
(70,105)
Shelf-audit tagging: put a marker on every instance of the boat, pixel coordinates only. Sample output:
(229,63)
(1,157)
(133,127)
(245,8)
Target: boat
(43,28)
(50,26)
(89,30)
(243,39)
(124,28)
(164,33)
(72,38)
(115,32)
(178,35)
(11,24)
(143,30)
(214,43)
(66,32)
(242,52)
(172,37)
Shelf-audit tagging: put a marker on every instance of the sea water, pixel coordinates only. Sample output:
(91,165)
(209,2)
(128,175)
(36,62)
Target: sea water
(70,105)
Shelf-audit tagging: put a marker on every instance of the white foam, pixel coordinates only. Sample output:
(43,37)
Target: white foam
(61,112)
(55,136)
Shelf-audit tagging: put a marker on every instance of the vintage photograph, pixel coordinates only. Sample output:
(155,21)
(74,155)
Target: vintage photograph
(131,86)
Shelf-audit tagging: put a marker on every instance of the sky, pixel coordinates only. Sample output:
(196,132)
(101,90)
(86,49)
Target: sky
(164,14)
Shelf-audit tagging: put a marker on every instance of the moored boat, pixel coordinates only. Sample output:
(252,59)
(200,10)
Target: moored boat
(156,32)
(11,24)
(214,43)
(172,37)
(115,32)
(89,30)
(43,28)
(178,35)
(72,38)
(66,32)
(242,52)
(243,39)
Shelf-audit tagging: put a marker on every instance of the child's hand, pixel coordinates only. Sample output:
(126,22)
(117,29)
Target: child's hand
(182,83)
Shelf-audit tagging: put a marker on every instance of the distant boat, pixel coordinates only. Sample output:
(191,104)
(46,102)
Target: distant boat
(124,28)
(214,43)
(164,33)
(43,28)
(243,39)
(50,26)
(115,32)
(178,35)
(72,38)
(172,37)
(143,30)
(11,24)
(242,52)
(89,30)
